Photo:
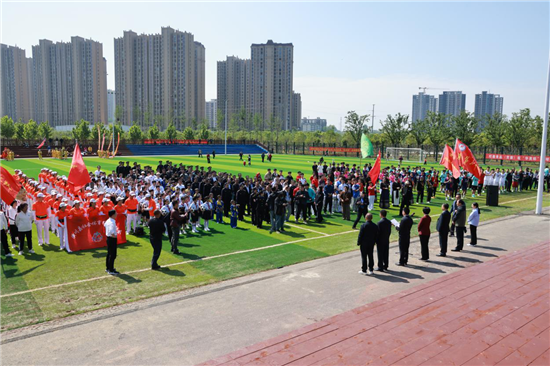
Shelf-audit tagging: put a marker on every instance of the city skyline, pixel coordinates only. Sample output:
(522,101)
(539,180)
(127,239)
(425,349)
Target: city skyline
(359,70)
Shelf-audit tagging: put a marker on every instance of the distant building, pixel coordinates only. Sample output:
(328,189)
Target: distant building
(452,102)
(70,82)
(160,77)
(233,86)
(17,86)
(317,124)
(272,82)
(487,104)
(422,104)
(212,114)
(296,113)
(110,105)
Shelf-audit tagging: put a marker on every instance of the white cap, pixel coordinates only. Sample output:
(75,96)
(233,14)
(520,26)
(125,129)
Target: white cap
(65,200)
(40,195)
(93,200)
(120,199)
(59,195)
(62,204)
(106,200)
(147,195)
(76,201)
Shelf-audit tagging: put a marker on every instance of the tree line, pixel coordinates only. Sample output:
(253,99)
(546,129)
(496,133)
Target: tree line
(521,130)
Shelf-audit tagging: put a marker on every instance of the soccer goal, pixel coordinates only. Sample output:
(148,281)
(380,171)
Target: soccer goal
(407,154)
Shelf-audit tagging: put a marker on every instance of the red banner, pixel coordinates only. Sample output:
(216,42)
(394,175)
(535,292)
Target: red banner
(533,158)
(335,149)
(173,142)
(83,234)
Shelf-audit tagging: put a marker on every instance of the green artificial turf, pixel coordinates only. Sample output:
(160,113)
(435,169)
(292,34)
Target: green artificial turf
(197,265)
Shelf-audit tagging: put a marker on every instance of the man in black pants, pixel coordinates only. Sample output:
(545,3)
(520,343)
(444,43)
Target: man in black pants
(366,240)
(156,229)
(383,241)
(111,233)
(443,228)
(407,192)
(301,199)
(404,229)
(362,208)
(459,220)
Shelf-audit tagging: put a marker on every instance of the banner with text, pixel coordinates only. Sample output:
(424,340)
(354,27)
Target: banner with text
(533,158)
(335,149)
(170,142)
(84,234)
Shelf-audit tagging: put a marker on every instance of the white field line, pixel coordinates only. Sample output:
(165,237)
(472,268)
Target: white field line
(176,264)
(303,228)
(208,258)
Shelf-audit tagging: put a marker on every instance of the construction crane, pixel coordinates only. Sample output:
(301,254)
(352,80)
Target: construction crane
(427,87)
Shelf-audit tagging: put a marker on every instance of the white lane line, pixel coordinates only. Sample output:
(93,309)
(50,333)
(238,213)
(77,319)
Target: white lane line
(303,228)
(176,264)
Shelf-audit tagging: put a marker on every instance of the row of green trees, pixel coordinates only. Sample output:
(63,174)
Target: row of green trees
(519,131)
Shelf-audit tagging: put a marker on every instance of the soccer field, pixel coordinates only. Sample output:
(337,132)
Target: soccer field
(53,283)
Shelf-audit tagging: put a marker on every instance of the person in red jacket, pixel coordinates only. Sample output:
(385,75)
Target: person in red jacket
(424,233)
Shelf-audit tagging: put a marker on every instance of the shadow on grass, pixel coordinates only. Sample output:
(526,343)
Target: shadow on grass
(34,257)
(171,272)
(189,256)
(128,279)
(11,273)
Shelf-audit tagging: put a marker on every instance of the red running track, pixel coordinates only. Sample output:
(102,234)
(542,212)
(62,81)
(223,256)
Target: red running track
(494,313)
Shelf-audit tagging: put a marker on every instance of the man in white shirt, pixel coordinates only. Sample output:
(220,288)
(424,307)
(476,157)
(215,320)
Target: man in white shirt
(4,234)
(111,233)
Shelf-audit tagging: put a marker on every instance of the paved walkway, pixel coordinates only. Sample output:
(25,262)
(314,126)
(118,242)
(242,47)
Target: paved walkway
(200,324)
(496,313)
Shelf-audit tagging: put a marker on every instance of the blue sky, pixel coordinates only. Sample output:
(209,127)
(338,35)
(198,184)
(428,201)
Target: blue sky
(347,56)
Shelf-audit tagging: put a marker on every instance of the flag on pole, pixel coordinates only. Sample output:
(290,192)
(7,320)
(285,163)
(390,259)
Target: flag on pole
(42,144)
(448,161)
(78,176)
(375,171)
(366,147)
(9,187)
(466,159)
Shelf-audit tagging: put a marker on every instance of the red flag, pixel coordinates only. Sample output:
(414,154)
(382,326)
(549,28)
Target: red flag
(466,159)
(78,176)
(42,144)
(375,171)
(9,188)
(448,161)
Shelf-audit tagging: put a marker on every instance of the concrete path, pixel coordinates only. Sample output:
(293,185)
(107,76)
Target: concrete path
(193,326)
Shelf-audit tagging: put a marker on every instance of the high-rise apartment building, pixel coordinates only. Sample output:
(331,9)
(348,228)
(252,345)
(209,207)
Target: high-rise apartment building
(487,104)
(212,114)
(70,82)
(16,84)
(272,82)
(422,104)
(160,78)
(234,86)
(452,102)
(296,113)
(314,124)
(111,105)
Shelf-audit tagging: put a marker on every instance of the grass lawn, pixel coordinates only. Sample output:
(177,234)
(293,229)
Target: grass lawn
(52,284)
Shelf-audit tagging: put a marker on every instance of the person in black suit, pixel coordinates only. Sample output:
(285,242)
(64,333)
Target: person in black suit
(459,220)
(404,229)
(407,193)
(156,229)
(383,241)
(442,227)
(366,240)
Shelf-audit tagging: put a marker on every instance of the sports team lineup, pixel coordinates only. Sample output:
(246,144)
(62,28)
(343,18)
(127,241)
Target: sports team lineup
(210,217)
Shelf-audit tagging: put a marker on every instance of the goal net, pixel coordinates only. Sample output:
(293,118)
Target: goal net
(407,154)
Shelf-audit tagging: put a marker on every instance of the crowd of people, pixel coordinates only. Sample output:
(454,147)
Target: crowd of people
(188,198)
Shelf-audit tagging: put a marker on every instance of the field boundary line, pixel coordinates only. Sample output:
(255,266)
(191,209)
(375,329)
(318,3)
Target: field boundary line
(303,228)
(175,264)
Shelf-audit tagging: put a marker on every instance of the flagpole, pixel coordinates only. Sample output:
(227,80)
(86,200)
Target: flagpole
(540,190)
